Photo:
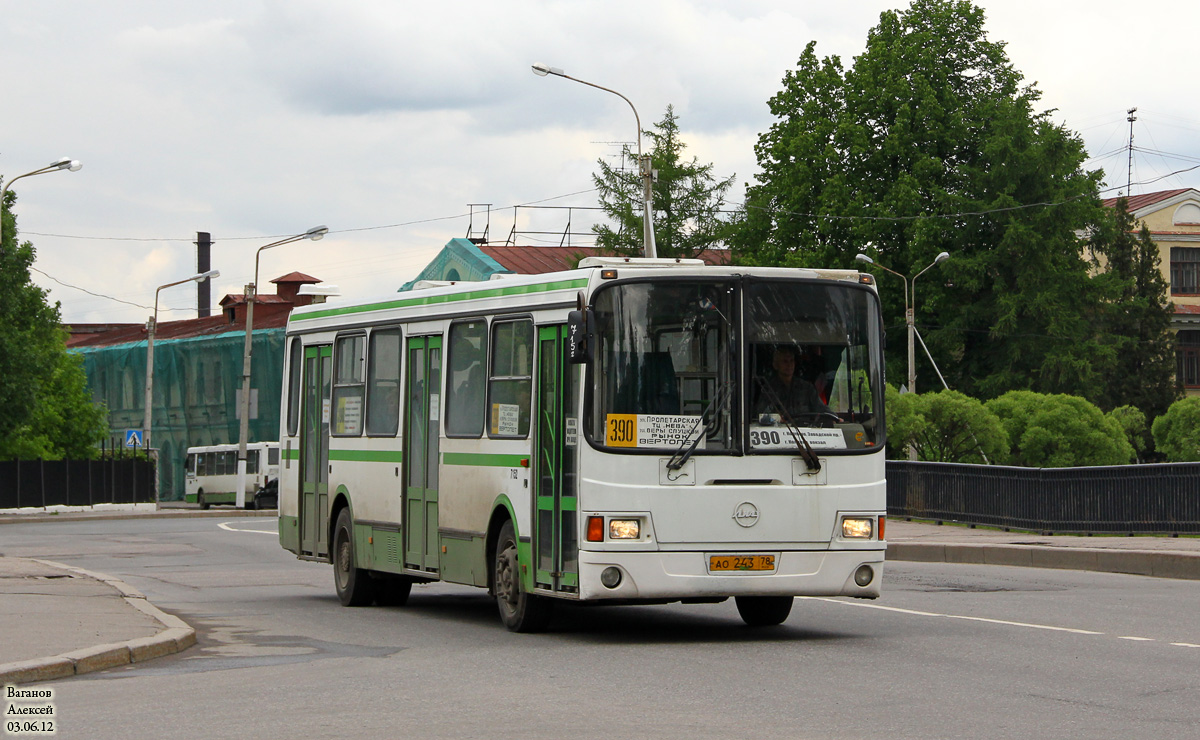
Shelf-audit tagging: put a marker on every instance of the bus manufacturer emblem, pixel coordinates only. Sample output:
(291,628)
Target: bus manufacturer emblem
(746,514)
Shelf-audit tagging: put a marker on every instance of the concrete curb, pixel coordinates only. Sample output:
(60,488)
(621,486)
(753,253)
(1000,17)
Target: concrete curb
(168,513)
(175,637)
(1132,562)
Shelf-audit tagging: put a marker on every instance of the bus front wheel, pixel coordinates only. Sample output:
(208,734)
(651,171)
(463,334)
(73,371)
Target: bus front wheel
(392,591)
(764,611)
(520,611)
(355,587)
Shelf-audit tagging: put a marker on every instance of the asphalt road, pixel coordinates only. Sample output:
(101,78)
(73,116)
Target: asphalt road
(948,652)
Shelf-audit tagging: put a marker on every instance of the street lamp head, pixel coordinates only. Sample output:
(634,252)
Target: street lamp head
(941,257)
(316,233)
(864,258)
(206,275)
(66,163)
(541,69)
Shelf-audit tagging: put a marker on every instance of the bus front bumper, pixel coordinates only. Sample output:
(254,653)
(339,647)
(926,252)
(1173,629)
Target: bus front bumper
(682,575)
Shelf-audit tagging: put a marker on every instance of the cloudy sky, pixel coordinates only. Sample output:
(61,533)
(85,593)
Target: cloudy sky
(385,119)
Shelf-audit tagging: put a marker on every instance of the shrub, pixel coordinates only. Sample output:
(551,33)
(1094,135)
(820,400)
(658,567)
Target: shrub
(1058,431)
(1133,422)
(1177,432)
(944,427)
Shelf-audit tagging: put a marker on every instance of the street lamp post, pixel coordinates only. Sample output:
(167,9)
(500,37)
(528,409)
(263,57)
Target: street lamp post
(644,165)
(315,234)
(151,326)
(909,310)
(66,163)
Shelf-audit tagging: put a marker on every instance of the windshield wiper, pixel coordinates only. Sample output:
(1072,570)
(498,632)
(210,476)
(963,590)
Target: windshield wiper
(689,446)
(811,461)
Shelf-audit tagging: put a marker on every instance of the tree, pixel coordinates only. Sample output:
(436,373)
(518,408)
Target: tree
(930,142)
(64,422)
(946,426)
(1059,431)
(1135,318)
(1177,432)
(687,199)
(45,408)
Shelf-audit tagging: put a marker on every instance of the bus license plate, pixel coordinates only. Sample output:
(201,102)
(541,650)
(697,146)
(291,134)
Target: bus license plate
(720,563)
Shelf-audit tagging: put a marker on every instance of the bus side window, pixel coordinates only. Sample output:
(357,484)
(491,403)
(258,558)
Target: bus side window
(293,391)
(465,379)
(252,461)
(348,386)
(202,463)
(510,385)
(383,383)
(190,465)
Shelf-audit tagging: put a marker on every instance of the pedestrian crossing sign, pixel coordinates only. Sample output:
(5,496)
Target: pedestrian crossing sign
(133,437)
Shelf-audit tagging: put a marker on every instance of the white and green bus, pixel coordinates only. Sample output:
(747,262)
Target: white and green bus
(609,434)
(210,473)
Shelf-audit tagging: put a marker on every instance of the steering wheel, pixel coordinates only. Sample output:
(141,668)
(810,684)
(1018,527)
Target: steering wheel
(823,419)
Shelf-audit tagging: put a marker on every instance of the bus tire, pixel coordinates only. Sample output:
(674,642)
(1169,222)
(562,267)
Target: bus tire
(764,611)
(202,501)
(355,587)
(392,590)
(520,611)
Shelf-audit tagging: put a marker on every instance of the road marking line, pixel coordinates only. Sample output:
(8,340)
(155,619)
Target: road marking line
(225,526)
(960,616)
(1136,639)
(1185,644)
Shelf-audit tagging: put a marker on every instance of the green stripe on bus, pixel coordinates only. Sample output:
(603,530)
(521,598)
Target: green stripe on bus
(484,460)
(388,456)
(453,298)
(291,454)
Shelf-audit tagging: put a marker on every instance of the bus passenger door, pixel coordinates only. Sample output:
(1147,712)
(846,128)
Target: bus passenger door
(555,447)
(421,440)
(314,451)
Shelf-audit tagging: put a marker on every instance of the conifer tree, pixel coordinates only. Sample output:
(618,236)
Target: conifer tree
(687,199)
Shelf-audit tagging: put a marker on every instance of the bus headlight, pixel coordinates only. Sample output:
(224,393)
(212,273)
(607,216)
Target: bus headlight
(857,528)
(624,529)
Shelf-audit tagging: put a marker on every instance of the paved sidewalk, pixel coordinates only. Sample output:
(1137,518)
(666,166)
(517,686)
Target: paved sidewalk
(57,621)
(1162,557)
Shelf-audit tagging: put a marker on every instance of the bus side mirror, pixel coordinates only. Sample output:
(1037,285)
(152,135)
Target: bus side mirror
(578,344)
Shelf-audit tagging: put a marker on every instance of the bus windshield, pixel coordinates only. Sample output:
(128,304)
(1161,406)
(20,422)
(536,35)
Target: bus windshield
(815,363)
(662,358)
(665,370)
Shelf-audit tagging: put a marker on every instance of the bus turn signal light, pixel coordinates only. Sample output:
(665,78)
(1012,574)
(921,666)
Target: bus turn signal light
(595,529)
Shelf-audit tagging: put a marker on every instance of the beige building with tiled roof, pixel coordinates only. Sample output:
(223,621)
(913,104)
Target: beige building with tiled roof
(1173,218)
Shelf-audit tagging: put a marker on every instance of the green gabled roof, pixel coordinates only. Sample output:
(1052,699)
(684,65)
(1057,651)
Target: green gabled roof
(461,260)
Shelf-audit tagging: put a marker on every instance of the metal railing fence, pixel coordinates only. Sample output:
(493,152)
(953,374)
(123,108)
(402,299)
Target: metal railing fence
(42,483)
(1161,498)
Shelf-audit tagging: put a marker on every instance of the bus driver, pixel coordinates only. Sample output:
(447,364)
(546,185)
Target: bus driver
(784,392)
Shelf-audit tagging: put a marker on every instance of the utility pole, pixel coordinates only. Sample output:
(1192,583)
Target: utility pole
(1129,173)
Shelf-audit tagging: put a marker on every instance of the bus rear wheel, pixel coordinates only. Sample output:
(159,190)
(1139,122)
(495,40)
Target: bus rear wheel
(355,587)
(764,611)
(520,611)
(202,501)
